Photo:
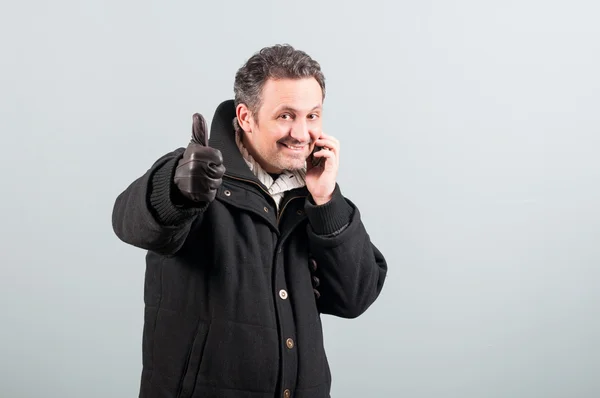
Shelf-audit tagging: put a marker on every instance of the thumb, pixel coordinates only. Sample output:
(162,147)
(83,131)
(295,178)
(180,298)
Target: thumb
(199,130)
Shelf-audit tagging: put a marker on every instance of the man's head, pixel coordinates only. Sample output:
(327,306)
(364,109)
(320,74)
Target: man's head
(279,95)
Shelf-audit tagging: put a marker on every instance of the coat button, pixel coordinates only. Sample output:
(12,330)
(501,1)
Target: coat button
(266,209)
(313,265)
(283,294)
(289,343)
(227,192)
(287,393)
(317,294)
(300,212)
(315,281)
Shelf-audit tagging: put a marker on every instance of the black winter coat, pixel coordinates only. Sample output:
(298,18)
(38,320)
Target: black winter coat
(231,309)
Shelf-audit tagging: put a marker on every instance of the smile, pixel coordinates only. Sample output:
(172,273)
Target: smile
(294,147)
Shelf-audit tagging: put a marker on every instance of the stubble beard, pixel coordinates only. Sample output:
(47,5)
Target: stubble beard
(288,163)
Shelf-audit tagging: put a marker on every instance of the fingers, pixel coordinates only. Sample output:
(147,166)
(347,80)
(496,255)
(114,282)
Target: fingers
(199,172)
(216,172)
(329,142)
(208,155)
(330,147)
(202,168)
(325,153)
(329,137)
(199,130)
(212,183)
(327,160)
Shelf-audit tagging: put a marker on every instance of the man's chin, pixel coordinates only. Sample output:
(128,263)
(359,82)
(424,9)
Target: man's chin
(296,166)
(288,163)
(291,166)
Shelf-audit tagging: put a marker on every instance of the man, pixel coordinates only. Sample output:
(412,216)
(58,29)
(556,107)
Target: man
(249,243)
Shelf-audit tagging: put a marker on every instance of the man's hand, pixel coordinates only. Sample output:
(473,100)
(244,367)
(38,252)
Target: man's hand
(321,179)
(200,171)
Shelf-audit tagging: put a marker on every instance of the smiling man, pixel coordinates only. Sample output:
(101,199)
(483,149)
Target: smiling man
(249,240)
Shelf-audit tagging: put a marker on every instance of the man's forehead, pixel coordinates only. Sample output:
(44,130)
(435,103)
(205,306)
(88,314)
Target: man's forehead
(300,95)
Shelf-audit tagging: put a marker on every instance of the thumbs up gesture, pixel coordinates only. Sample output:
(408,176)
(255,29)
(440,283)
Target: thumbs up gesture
(199,173)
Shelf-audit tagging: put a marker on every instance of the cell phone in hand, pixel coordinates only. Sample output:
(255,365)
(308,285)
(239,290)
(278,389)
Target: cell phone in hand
(315,161)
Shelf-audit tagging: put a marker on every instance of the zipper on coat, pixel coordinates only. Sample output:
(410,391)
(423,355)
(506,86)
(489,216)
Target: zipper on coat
(280,212)
(251,182)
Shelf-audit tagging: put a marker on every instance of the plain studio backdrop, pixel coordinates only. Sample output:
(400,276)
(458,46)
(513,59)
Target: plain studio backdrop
(470,136)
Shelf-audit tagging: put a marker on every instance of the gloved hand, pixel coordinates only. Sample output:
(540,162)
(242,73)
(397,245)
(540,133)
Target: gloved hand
(199,173)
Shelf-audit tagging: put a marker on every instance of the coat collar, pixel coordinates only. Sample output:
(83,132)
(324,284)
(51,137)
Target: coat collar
(222,137)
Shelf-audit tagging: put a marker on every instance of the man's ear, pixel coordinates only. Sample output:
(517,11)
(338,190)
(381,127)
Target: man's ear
(244,117)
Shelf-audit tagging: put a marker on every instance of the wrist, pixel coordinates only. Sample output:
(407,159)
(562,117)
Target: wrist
(163,197)
(330,217)
(321,200)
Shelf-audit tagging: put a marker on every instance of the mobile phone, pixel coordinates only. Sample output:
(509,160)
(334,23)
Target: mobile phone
(315,161)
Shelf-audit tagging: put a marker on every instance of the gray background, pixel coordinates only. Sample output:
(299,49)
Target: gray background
(470,138)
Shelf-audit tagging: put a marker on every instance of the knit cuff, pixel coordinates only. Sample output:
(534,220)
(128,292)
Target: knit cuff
(331,217)
(166,202)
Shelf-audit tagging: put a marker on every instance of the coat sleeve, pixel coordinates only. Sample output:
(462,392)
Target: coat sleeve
(150,214)
(349,268)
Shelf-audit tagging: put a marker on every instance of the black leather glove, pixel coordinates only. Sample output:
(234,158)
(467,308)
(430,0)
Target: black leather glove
(199,173)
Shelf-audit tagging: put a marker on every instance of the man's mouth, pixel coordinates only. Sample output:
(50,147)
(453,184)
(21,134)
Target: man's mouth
(293,147)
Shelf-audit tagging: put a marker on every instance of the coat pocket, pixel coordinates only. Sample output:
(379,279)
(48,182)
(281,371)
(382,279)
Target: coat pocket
(194,359)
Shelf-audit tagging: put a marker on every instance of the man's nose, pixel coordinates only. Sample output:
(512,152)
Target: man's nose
(300,131)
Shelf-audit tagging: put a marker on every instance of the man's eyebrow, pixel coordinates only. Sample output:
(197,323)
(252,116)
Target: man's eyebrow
(294,110)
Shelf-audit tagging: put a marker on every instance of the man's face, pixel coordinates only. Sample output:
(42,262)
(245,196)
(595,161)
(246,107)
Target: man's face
(288,123)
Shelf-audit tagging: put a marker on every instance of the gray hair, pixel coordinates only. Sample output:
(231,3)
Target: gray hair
(280,61)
